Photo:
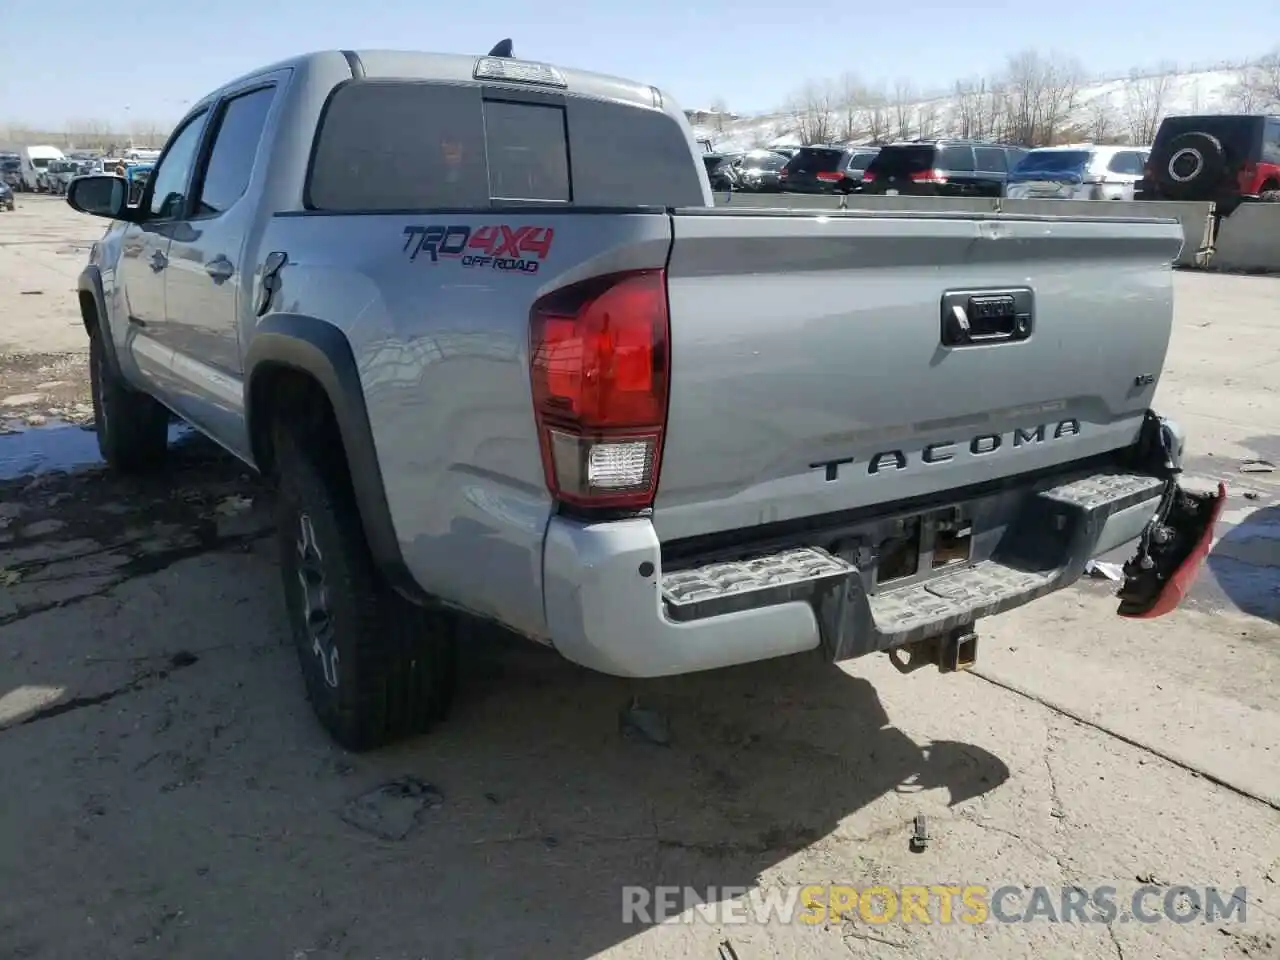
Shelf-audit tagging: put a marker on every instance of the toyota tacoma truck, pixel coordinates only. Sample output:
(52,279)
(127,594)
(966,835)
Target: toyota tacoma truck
(480,322)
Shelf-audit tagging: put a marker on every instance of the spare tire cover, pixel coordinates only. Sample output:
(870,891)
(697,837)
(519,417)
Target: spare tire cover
(1191,162)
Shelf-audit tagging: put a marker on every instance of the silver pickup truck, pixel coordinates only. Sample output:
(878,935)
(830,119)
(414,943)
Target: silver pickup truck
(480,321)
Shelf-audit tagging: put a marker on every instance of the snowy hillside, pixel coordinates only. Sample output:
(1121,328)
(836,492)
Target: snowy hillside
(1102,110)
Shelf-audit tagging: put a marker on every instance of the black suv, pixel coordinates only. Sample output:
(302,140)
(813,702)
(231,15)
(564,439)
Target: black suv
(1226,158)
(941,168)
(826,168)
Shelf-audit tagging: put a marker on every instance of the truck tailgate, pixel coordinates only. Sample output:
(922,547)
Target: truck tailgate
(818,363)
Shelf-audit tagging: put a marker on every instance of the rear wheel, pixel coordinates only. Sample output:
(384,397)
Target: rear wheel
(132,427)
(1269,196)
(377,667)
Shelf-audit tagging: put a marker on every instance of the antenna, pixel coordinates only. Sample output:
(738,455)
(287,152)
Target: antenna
(501,49)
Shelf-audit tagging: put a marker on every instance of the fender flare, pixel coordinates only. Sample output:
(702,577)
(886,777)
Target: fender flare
(90,282)
(320,350)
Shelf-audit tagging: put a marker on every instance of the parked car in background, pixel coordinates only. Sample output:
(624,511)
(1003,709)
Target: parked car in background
(787,152)
(720,171)
(760,171)
(6,196)
(1225,158)
(821,168)
(35,162)
(857,161)
(59,174)
(1079,172)
(11,171)
(941,168)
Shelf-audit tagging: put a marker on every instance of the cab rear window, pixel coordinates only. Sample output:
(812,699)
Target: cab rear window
(901,160)
(815,160)
(414,145)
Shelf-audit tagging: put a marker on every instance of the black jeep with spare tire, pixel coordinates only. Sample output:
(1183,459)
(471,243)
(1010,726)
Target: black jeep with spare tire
(1226,158)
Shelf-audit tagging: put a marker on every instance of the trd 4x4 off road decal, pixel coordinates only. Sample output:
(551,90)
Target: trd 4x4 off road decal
(499,247)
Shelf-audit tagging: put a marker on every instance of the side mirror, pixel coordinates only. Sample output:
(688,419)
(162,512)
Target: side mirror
(99,195)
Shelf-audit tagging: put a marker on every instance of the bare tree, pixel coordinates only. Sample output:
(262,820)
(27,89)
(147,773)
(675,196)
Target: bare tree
(928,121)
(852,101)
(88,133)
(966,117)
(904,96)
(811,110)
(1101,119)
(1145,100)
(1041,93)
(1062,79)
(877,115)
(718,111)
(1024,79)
(1259,86)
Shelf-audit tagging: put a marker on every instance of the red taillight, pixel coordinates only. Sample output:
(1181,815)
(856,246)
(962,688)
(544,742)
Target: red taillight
(832,177)
(868,177)
(928,176)
(599,368)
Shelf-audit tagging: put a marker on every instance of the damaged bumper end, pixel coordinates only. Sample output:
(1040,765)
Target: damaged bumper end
(912,581)
(1174,545)
(1170,553)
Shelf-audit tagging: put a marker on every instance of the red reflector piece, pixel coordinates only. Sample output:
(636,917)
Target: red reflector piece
(599,373)
(829,177)
(868,177)
(1179,582)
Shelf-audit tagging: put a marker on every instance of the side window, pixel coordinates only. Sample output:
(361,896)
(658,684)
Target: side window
(956,159)
(1126,162)
(1271,142)
(235,146)
(171,176)
(1014,156)
(990,158)
(400,145)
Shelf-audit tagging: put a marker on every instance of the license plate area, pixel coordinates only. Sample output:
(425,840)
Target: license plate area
(920,547)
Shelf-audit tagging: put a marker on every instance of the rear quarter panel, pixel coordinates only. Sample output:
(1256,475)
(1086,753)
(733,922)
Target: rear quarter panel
(442,351)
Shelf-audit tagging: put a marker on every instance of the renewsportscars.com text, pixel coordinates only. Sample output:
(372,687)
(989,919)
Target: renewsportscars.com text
(934,903)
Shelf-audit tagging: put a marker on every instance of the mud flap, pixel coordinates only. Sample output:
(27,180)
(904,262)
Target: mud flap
(1170,553)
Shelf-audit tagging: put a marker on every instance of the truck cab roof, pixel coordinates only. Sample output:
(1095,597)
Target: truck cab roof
(386,64)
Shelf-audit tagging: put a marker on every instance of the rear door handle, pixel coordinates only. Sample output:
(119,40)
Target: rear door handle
(220,268)
(158,260)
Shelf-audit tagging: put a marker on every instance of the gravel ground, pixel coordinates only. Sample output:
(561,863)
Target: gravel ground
(169,795)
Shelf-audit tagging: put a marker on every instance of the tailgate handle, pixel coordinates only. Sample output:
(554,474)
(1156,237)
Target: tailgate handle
(973,317)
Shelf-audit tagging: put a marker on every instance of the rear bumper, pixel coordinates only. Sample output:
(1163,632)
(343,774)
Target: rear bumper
(611,606)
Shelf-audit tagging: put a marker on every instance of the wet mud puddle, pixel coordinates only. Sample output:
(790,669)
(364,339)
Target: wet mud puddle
(58,445)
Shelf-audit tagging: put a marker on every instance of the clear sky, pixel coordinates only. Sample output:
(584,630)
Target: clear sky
(93,61)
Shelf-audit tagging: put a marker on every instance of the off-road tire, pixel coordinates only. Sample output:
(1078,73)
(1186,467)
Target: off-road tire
(132,427)
(1210,166)
(377,667)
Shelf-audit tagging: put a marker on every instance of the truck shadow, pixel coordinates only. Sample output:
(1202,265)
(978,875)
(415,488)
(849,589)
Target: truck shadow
(765,761)
(511,830)
(1245,563)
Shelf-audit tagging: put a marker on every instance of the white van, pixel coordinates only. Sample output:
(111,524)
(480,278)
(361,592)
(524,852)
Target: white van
(35,160)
